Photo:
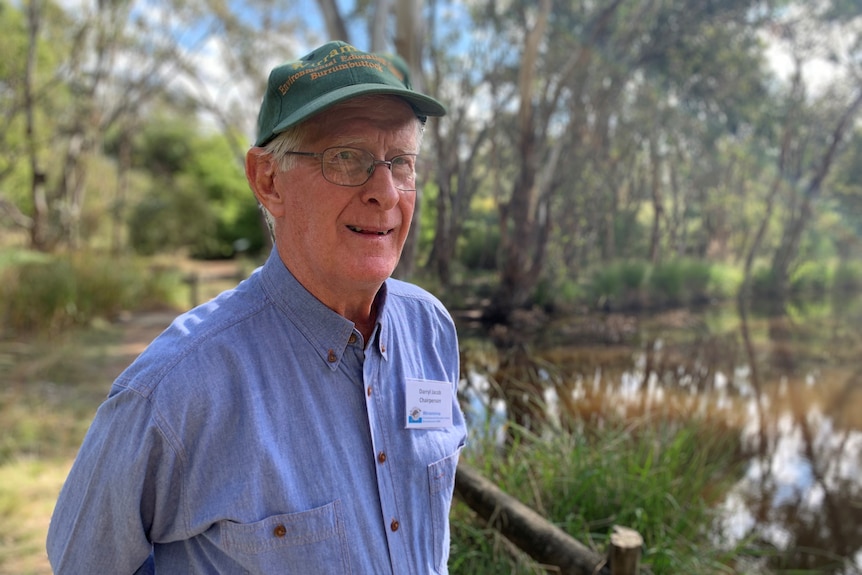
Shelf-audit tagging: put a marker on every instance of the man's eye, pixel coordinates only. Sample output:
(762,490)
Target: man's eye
(405,161)
(345,155)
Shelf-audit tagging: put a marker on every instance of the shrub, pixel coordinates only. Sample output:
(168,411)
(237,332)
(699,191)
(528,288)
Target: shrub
(847,277)
(477,250)
(38,296)
(52,293)
(666,283)
(811,278)
(619,283)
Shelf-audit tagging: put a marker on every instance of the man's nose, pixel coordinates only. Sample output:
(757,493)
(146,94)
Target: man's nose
(380,187)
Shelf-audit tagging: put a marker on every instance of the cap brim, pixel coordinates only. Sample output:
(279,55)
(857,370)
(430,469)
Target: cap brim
(422,105)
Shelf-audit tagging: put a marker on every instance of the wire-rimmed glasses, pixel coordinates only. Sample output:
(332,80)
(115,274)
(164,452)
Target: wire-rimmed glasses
(345,166)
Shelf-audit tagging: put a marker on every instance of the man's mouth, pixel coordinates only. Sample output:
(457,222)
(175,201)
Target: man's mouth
(359,230)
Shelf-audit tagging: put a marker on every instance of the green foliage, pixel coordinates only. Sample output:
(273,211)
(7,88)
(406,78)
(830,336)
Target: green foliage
(847,277)
(655,476)
(725,281)
(199,199)
(680,281)
(811,278)
(619,283)
(561,294)
(684,281)
(54,293)
(667,283)
(478,245)
(15,170)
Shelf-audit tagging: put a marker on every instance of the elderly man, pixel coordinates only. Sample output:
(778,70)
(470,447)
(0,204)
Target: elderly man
(306,421)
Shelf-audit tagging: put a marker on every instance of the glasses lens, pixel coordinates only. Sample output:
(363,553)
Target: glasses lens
(404,172)
(347,166)
(353,167)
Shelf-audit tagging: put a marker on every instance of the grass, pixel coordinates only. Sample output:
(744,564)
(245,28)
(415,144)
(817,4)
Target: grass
(28,488)
(653,476)
(51,388)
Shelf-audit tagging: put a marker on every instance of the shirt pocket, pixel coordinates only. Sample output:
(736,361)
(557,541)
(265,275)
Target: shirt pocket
(441,481)
(311,541)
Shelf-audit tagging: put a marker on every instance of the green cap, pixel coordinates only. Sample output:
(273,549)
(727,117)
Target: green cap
(330,74)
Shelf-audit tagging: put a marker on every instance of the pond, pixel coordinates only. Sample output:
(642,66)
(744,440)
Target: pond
(789,383)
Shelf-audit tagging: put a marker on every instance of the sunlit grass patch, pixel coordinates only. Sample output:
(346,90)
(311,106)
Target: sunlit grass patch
(28,491)
(51,389)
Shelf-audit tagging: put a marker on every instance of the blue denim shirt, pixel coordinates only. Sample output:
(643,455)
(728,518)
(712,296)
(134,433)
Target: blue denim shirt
(259,434)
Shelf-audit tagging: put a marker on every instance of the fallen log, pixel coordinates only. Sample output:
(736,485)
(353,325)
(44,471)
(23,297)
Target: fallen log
(532,533)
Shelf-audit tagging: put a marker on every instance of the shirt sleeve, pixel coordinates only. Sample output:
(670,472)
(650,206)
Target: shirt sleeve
(123,489)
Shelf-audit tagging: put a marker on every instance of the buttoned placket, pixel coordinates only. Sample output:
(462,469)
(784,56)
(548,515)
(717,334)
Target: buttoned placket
(381,424)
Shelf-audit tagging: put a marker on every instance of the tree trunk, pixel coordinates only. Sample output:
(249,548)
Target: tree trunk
(38,178)
(655,193)
(334,22)
(518,234)
(789,248)
(377,25)
(409,44)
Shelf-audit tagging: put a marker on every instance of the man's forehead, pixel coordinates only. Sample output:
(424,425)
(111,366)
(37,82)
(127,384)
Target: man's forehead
(365,116)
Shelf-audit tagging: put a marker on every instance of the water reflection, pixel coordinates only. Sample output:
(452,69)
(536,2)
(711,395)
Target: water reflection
(790,385)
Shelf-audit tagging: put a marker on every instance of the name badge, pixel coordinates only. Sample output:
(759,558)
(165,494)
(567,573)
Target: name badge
(429,404)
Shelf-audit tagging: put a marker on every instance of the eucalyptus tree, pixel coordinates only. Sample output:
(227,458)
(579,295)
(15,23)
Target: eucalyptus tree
(461,140)
(827,35)
(33,41)
(112,61)
(105,70)
(846,190)
(580,71)
(103,85)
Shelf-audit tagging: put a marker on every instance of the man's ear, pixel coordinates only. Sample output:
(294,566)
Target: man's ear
(260,171)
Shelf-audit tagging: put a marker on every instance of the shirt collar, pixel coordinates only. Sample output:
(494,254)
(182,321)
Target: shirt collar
(328,332)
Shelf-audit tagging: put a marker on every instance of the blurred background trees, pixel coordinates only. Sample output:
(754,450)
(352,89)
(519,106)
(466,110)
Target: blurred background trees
(580,135)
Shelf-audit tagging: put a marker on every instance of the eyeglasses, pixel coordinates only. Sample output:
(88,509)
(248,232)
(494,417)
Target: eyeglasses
(353,167)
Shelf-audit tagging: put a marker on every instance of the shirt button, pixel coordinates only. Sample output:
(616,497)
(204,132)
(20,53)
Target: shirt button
(332,357)
(352,339)
(381,457)
(368,391)
(394,525)
(279,531)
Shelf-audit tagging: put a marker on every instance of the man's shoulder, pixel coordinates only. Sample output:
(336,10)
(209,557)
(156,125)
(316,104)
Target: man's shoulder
(414,302)
(406,293)
(401,288)
(197,340)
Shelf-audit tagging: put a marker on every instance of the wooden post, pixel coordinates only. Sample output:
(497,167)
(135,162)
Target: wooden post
(624,554)
(194,281)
